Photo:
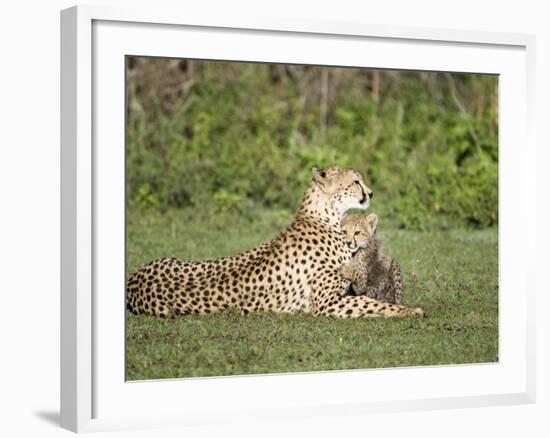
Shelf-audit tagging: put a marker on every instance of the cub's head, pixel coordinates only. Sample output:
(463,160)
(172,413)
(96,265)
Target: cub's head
(358,229)
(345,188)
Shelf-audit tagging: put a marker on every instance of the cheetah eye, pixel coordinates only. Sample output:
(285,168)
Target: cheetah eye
(357,182)
(356,233)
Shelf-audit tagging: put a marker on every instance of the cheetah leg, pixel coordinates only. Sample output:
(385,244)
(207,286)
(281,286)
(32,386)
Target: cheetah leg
(329,301)
(397,282)
(375,291)
(358,278)
(347,272)
(365,307)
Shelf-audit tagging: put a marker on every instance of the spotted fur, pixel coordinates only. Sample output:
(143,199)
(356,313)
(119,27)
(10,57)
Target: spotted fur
(372,271)
(299,270)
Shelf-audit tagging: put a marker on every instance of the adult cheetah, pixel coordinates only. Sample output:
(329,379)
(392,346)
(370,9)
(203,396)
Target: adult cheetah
(299,270)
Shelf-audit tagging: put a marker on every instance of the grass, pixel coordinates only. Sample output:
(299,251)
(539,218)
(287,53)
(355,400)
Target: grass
(451,274)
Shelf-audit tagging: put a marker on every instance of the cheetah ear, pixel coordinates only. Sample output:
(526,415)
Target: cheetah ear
(318,174)
(372,221)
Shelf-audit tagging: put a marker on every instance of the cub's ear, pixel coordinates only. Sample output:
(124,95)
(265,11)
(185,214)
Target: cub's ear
(372,221)
(318,174)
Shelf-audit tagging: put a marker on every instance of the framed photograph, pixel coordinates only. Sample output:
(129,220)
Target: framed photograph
(266,219)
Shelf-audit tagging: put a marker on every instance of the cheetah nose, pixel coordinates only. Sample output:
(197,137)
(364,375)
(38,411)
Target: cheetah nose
(371,194)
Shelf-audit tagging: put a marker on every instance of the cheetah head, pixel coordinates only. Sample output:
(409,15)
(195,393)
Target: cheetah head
(358,229)
(344,187)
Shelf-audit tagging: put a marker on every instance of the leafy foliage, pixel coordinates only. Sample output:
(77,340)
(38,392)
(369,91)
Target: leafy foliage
(241,135)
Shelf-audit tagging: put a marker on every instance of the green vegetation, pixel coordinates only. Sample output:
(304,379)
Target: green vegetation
(452,274)
(244,136)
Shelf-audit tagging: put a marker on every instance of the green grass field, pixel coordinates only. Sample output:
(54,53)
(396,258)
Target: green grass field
(451,274)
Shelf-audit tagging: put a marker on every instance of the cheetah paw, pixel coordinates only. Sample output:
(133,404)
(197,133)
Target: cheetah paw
(346,271)
(410,311)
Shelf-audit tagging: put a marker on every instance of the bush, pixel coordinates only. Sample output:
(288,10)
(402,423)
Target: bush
(240,135)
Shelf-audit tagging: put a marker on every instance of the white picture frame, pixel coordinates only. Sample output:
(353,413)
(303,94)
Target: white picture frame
(94,394)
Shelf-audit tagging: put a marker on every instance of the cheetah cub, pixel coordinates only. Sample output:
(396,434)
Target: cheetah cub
(372,271)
